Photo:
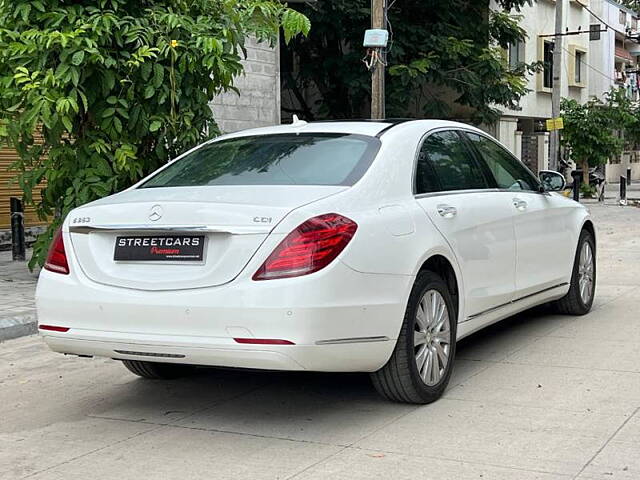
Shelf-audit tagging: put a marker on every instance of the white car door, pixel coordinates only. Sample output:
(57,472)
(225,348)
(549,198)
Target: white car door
(457,194)
(543,231)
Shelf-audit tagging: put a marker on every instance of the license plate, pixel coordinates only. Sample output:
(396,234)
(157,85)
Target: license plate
(180,248)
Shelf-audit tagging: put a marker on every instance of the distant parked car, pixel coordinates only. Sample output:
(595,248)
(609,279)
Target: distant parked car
(336,246)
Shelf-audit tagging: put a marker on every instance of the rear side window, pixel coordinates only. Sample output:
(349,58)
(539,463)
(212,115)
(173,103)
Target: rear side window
(508,171)
(284,159)
(445,163)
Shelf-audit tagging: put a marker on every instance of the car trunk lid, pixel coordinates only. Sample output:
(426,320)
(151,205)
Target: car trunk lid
(232,222)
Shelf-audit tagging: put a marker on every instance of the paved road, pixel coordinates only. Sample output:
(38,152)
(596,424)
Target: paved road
(540,396)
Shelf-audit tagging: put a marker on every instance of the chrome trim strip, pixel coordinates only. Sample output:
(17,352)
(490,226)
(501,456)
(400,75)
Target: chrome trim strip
(477,190)
(239,230)
(516,192)
(489,310)
(150,354)
(340,341)
(455,192)
(541,291)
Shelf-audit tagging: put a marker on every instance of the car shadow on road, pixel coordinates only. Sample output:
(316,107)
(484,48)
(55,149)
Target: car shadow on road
(323,407)
(505,334)
(232,399)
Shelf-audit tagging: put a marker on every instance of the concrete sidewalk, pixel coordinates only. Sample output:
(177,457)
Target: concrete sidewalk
(17,304)
(612,191)
(539,396)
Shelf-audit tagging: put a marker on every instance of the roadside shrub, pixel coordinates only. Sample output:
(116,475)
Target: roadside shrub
(96,94)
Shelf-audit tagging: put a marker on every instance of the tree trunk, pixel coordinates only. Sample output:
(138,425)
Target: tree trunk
(585,172)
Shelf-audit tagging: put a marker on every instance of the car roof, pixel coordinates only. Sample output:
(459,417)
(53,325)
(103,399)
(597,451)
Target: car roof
(371,128)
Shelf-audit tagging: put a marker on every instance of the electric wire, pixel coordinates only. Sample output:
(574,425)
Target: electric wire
(390,27)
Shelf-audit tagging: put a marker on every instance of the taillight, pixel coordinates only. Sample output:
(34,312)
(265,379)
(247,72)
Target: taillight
(57,258)
(309,248)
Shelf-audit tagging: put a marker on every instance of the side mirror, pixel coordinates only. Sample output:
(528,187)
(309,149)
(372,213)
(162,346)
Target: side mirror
(552,181)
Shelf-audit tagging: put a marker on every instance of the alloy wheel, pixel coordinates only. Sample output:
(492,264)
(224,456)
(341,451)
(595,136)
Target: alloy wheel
(585,273)
(432,337)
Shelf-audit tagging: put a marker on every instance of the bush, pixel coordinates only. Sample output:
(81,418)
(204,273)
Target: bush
(96,94)
(587,190)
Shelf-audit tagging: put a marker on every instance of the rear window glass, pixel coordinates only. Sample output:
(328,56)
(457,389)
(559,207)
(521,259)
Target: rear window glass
(285,159)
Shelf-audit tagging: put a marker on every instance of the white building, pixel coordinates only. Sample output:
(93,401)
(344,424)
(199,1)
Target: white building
(614,50)
(614,63)
(523,131)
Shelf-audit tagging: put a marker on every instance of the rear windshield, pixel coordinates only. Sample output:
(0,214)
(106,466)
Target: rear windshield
(284,159)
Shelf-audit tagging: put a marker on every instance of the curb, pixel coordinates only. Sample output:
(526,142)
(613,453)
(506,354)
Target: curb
(18,326)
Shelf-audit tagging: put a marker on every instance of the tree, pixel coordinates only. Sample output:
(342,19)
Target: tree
(96,94)
(594,131)
(445,61)
(632,4)
(625,115)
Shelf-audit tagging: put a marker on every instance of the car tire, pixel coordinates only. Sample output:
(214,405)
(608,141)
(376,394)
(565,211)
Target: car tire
(583,275)
(407,376)
(158,371)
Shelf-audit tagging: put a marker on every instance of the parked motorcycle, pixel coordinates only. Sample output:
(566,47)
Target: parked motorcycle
(597,178)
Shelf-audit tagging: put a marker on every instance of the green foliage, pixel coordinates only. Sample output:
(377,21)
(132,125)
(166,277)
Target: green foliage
(587,190)
(293,23)
(589,132)
(625,115)
(443,61)
(632,4)
(96,94)
(594,132)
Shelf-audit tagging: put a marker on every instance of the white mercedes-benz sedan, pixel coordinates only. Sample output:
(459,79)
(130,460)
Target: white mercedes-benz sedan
(332,246)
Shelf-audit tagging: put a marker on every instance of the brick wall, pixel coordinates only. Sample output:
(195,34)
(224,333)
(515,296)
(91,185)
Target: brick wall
(259,101)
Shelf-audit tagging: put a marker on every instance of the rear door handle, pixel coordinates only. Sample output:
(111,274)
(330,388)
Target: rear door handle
(447,211)
(520,204)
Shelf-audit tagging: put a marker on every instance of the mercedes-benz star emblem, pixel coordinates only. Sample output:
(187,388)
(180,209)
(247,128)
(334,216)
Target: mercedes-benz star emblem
(155,213)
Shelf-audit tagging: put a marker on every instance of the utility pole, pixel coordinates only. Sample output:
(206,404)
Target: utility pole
(554,139)
(378,20)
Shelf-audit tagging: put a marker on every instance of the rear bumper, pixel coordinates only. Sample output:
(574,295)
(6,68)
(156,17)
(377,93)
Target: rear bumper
(338,320)
(353,357)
